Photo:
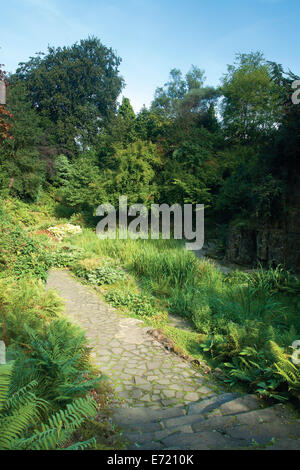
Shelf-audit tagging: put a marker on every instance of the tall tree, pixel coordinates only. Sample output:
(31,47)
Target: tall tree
(168,97)
(20,160)
(75,87)
(251,105)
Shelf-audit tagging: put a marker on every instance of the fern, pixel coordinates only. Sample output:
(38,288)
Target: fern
(6,373)
(58,362)
(286,369)
(21,426)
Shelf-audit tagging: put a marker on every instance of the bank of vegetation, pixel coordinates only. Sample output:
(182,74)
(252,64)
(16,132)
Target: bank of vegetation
(66,146)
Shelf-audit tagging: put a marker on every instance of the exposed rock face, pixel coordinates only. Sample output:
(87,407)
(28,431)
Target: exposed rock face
(268,247)
(240,246)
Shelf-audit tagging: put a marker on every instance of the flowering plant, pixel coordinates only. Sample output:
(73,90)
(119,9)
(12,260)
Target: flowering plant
(62,231)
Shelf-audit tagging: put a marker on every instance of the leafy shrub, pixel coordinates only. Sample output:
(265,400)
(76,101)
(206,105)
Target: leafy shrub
(90,271)
(137,303)
(21,254)
(25,302)
(66,256)
(61,231)
(58,361)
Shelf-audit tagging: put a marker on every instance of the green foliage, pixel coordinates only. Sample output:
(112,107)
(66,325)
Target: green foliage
(73,87)
(63,170)
(21,254)
(135,175)
(167,99)
(138,304)
(177,266)
(52,369)
(21,425)
(104,273)
(19,157)
(125,123)
(25,301)
(58,362)
(271,280)
(23,214)
(52,373)
(82,187)
(66,255)
(250,104)
(288,371)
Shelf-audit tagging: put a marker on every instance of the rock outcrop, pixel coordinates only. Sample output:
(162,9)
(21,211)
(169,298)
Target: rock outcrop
(265,246)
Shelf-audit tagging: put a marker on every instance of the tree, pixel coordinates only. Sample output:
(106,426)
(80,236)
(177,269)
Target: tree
(124,125)
(75,87)
(167,98)
(251,105)
(149,125)
(83,186)
(20,160)
(135,176)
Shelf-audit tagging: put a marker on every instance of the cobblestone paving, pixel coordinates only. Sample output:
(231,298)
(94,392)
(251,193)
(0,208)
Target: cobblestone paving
(166,403)
(141,369)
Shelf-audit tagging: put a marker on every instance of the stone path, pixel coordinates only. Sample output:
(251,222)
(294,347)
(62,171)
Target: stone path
(166,403)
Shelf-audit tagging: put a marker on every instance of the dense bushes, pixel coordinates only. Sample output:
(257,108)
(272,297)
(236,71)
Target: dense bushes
(20,253)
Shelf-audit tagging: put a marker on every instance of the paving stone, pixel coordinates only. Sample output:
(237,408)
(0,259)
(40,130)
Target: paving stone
(252,434)
(146,398)
(215,423)
(267,415)
(208,404)
(140,427)
(136,393)
(182,421)
(241,405)
(169,393)
(191,396)
(147,446)
(285,444)
(140,437)
(170,402)
(140,381)
(197,441)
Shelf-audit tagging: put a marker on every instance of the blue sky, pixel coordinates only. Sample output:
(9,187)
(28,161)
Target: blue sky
(153,36)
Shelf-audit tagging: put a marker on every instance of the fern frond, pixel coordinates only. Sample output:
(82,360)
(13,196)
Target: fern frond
(6,371)
(16,424)
(82,445)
